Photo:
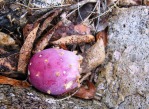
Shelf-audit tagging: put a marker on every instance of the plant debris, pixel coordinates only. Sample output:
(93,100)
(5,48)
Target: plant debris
(6,39)
(13,82)
(26,49)
(86,92)
(94,56)
(74,39)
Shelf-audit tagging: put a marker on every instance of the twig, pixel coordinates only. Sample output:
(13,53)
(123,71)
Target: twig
(60,6)
(83,2)
(92,11)
(85,76)
(68,97)
(106,12)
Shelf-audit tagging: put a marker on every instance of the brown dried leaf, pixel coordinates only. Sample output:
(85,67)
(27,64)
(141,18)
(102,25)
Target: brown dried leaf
(103,35)
(47,21)
(25,51)
(44,41)
(94,56)
(9,61)
(86,93)
(5,39)
(13,82)
(74,39)
(82,29)
(27,29)
(63,46)
(70,29)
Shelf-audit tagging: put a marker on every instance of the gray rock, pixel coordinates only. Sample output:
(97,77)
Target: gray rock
(126,73)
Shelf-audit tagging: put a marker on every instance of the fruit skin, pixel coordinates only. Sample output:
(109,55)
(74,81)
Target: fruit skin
(54,71)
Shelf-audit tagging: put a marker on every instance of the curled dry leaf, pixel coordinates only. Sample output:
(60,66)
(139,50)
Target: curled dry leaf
(47,21)
(25,51)
(44,41)
(70,29)
(103,35)
(9,60)
(94,56)
(27,29)
(13,82)
(5,39)
(74,39)
(86,92)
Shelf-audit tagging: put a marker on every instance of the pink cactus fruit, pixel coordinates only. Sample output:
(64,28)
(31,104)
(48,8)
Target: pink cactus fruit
(54,71)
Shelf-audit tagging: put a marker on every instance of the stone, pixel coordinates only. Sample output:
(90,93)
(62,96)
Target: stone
(126,73)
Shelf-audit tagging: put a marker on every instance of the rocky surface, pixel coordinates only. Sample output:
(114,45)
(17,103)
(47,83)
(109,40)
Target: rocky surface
(123,83)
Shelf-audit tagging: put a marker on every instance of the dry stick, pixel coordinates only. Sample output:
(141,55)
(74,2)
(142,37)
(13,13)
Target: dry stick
(74,39)
(106,12)
(79,4)
(85,76)
(98,9)
(92,11)
(27,46)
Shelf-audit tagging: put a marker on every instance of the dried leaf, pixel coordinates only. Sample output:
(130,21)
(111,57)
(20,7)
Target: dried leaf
(74,39)
(103,35)
(86,93)
(44,41)
(6,39)
(25,51)
(94,56)
(82,29)
(47,21)
(63,46)
(70,29)
(27,29)
(9,61)
(13,82)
